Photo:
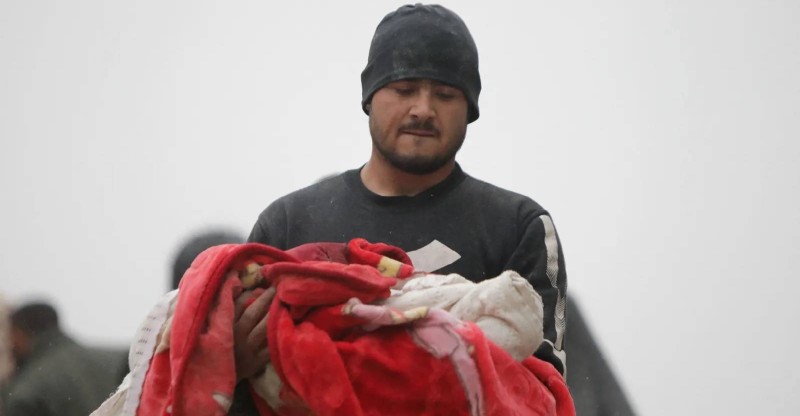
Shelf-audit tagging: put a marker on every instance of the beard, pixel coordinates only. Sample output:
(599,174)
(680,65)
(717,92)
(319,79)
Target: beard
(415,164)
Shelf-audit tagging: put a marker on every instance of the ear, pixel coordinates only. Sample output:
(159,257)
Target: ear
(368,107)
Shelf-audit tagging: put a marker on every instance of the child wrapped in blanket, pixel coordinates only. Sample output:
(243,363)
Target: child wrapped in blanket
(420,338)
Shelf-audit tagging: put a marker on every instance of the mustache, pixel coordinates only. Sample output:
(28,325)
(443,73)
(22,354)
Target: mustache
(426,125)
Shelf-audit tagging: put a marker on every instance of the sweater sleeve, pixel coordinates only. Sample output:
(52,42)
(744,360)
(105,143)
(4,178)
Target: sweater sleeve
(258,234)
(538,257)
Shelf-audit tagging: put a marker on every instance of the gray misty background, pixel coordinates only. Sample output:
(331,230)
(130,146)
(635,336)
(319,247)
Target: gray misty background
(662,136)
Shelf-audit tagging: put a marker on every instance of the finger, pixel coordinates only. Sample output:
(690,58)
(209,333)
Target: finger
(270,292)
(239,304)
(258,336)
(256,311)
(262,357)
(260,362)
(237,290)
(265,298)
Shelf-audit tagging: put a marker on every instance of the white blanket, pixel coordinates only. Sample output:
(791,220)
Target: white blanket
(505,307)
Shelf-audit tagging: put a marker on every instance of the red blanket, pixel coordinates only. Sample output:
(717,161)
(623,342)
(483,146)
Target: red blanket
(335,352)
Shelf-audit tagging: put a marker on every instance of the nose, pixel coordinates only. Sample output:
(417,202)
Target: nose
(422,108)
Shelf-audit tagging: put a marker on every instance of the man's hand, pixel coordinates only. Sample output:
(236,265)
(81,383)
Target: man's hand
(250,333)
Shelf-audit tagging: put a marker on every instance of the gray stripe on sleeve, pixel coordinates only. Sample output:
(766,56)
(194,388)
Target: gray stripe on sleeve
(551,244)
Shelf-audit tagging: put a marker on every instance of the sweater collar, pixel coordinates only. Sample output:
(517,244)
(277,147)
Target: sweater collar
(353,179)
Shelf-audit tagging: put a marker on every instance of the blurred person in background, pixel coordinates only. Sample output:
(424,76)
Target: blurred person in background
(54,374)
(196,244)
(6,359)
(591,381)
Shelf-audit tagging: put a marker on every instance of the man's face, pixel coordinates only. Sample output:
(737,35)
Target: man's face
(418,125)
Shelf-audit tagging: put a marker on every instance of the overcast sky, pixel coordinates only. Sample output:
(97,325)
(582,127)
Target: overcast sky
(661,135)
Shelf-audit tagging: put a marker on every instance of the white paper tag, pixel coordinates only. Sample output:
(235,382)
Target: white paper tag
(433,257)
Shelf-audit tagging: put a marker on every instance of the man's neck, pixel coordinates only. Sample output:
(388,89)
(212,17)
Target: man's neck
(380,177)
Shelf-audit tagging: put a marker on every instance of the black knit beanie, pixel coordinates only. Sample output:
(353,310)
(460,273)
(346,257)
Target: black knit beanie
(423,41)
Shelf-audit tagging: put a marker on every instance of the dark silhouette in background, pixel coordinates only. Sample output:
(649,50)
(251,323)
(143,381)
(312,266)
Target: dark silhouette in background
(195,245)
(591,381)
(6,360)
(54,375)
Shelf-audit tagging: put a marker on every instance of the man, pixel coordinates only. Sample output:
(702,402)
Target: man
(420,90)
(55,375)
